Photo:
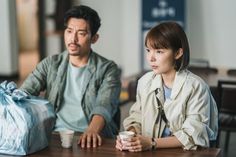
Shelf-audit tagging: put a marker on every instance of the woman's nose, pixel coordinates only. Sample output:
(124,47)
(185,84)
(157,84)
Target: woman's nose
(152,56)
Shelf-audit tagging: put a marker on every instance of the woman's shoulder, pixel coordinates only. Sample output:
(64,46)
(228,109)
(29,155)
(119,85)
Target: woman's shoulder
(147,76)
(148,79)
(195,81)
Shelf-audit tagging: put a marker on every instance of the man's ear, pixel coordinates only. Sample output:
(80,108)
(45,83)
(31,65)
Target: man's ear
(179,53)
(94,38)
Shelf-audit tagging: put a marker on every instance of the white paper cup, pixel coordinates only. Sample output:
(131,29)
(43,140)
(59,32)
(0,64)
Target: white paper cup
(125,135)
(67,138)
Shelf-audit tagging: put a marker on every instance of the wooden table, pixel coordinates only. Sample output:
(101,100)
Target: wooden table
(108,150)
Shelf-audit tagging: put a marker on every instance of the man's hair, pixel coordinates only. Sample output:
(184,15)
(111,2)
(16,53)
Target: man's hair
(170,35)
(86,13)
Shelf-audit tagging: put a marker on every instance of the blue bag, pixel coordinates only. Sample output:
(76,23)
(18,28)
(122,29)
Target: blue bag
(26,122)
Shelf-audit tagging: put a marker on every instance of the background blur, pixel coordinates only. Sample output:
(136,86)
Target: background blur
(209,24)
(33,29)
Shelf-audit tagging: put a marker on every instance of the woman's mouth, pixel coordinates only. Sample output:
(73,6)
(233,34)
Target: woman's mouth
(154,67)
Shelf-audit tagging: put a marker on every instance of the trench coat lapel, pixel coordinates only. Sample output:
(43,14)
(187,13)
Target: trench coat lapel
(180,78)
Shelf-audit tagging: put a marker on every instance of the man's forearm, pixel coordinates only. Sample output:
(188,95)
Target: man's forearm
(97,123)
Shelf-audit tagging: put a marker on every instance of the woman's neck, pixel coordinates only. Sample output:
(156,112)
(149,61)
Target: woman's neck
(168,78)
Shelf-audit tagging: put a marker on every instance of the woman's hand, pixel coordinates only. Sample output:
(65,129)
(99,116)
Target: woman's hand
(119,145)
(135,144)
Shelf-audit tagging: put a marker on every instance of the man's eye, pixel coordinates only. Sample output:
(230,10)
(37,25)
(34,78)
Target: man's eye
(68,31)
(82,34)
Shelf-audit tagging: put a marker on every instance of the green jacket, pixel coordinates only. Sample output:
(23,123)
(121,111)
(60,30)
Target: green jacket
(100,91)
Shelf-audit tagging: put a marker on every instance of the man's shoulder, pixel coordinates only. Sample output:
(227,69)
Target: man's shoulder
(99,60)
(55,59)
(59,57)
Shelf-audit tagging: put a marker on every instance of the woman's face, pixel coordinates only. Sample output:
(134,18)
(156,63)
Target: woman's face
(162,61)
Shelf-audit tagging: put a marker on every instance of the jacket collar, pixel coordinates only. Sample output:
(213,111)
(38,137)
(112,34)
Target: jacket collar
(180,79)
(92,62)
(157,84)
(90,66)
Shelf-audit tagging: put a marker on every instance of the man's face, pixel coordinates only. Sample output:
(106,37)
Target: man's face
(77,37)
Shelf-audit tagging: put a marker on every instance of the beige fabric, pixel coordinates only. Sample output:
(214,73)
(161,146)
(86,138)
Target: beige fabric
(191,110)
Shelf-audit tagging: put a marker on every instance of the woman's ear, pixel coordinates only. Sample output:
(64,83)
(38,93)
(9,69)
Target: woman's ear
(94,38)
(179,53)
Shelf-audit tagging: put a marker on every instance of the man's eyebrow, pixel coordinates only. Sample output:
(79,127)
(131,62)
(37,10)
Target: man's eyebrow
(82,30)
(79,30)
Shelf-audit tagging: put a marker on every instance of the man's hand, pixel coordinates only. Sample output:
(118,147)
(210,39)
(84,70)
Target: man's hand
(91,138)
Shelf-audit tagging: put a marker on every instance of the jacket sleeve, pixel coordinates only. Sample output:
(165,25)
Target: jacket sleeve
(135,114)
(36,81)
(200,124)
(107,100)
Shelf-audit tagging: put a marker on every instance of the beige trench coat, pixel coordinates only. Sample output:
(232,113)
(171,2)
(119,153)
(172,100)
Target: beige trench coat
(191,110)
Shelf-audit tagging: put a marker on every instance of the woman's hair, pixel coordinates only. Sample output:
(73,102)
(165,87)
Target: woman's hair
(170,35)
(86,13)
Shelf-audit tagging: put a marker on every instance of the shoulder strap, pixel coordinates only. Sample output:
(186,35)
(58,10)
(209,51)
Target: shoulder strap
(161,110)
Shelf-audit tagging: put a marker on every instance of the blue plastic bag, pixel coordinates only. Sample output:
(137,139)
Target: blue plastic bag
(26,122)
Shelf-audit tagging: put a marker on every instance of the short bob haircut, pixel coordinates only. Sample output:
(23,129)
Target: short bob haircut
(170,35)
(86,13)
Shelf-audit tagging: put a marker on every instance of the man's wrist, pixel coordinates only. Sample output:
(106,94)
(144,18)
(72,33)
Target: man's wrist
(154,144)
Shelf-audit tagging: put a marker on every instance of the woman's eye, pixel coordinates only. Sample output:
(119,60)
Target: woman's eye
(158,51)
(147,50)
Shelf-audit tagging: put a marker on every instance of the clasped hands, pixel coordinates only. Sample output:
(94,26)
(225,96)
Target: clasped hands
(134,144)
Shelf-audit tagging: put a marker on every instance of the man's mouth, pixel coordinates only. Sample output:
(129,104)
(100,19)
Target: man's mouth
(73,46)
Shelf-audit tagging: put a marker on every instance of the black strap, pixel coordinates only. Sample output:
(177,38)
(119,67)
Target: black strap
(161,110)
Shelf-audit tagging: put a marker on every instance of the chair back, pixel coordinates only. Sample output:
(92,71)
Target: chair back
(231,72)
(201,67)
(227,96)
(197,62)
(203,70)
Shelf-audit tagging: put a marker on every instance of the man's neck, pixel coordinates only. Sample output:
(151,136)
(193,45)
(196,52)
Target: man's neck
(79,61)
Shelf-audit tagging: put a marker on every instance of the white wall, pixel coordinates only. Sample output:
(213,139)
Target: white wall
(8,39)
(210,28)
(119,33)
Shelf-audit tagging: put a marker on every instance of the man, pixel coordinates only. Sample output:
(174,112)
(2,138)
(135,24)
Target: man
(83,86)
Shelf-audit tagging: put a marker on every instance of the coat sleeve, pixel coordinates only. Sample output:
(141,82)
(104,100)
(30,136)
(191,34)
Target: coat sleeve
(135,114)
(107,100)
(201,116)
(36,81)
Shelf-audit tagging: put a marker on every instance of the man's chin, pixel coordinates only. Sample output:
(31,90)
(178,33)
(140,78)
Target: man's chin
(74,53)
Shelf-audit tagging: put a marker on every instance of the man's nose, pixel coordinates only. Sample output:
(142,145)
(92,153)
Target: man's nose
(74,38)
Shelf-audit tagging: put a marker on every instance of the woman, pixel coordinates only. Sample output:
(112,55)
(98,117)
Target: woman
(174,107)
